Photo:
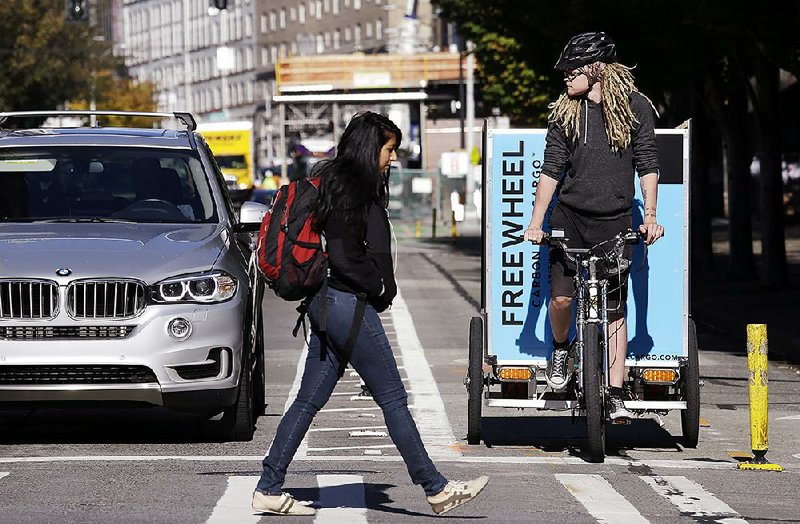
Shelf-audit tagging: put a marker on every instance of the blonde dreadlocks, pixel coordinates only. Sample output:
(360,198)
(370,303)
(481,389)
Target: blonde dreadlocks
(617,84)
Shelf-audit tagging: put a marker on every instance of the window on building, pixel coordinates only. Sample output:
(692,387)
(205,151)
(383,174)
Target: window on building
(337,39)
(274,54)
(357,35)
(379,29)
(264,22)
(356,4)
(301,14)
(320,43)
(264,56)
(273,20)
(319,9)
(282,18)
(293,48)
(327,39)
(248,26)
(312,9)
(327,5)
(368,30)
(347,35)
(335,6)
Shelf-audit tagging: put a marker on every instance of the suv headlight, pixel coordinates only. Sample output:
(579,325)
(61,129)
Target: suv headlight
(204,288)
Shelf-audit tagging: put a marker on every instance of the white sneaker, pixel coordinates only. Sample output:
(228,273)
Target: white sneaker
(456,493)
(283,504)
(558,378)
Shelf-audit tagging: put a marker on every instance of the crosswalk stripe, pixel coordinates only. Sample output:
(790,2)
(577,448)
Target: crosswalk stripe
(341,499)
(600,499)
(234,505)
(431,417)
(691,499)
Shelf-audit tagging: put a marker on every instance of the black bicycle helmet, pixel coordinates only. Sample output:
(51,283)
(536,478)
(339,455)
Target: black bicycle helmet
(586,48)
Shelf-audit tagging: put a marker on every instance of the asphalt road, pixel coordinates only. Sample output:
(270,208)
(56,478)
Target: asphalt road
(143,465)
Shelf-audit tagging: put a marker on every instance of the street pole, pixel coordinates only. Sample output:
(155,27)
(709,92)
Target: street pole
(187,90)
(470,121)
(461,95)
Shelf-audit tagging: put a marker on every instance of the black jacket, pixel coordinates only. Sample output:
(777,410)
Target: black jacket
(595,180)
(360,256)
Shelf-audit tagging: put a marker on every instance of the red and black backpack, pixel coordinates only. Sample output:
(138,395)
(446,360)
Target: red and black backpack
(290,252)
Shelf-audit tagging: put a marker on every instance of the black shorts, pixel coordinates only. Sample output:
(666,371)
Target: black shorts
(587,231)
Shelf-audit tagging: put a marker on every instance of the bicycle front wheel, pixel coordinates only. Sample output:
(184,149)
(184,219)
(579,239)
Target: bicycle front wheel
(594,394)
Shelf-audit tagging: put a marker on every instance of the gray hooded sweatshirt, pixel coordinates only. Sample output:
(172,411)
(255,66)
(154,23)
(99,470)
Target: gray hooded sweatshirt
(594,180)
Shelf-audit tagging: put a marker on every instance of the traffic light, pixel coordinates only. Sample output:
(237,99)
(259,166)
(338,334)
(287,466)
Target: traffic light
(220,4)
(77,10)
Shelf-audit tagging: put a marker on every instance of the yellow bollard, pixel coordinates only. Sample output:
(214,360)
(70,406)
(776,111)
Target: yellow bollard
(453,229)
(419,228)
(757,364)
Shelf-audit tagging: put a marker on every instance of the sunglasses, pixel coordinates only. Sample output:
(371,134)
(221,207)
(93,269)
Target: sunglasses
(572,75)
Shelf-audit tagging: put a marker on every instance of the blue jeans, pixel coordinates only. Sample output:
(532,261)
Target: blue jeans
(372,358)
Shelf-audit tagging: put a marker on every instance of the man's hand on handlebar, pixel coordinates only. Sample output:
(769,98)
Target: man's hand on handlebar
(534,234)
(651,231)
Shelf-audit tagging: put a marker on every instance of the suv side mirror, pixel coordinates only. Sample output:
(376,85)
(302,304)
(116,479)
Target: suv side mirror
(250,216)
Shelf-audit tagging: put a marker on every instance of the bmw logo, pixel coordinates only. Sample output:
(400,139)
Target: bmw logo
(64,272)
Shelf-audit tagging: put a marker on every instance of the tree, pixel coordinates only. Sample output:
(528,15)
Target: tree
(115,92)
(45,60)
(691,56)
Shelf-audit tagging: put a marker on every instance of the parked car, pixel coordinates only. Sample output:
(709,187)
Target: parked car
(125,275)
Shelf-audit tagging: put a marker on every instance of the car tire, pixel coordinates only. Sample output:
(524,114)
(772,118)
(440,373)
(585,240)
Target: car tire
(238,422)
(259,376)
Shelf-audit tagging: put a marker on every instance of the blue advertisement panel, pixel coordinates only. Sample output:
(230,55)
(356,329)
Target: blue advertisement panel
(517,280)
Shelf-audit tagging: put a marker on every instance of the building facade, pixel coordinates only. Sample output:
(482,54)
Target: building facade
(209,61)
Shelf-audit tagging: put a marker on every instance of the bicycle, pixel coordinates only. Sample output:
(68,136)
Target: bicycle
(595,266)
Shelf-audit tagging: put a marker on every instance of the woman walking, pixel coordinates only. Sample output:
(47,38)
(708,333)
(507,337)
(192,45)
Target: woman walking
(351,212)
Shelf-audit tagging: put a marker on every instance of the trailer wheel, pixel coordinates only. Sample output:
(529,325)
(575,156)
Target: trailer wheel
(690,417)
(475,381)
(593,396)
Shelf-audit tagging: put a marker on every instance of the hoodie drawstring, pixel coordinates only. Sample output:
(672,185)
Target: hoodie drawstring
(585,122)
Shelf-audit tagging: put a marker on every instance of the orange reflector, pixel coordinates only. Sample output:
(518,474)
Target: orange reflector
(515,374)
(660,376)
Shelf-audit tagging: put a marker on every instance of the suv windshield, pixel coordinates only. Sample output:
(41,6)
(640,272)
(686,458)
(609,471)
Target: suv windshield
(103,184)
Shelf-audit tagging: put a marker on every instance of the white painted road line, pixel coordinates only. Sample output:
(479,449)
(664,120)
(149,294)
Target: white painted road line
(430,415)
(368,433)
(341,499)
(234,505)
(563,461)
(342,448)
(356,428)
(601,500)
(692,500)
(4,474)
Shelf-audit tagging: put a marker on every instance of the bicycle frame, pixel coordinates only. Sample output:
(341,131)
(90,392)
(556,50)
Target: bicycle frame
(587,292)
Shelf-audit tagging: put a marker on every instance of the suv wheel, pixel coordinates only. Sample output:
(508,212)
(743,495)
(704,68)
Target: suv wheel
(239,421)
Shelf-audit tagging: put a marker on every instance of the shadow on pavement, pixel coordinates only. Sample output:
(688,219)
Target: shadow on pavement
(562,434)
(102,426)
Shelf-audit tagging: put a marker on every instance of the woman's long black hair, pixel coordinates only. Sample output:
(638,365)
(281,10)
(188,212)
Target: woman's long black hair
(352,179)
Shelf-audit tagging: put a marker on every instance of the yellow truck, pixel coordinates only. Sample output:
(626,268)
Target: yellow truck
(232,145)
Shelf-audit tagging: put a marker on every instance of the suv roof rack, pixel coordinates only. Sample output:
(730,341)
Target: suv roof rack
(186,118)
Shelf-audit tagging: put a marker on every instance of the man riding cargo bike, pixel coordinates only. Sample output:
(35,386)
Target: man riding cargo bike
(600,133)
